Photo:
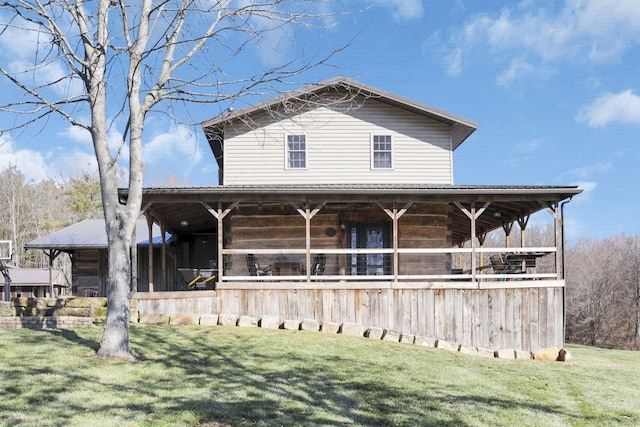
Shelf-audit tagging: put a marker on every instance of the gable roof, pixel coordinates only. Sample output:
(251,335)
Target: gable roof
(26,277)
(461,128)
(90,234)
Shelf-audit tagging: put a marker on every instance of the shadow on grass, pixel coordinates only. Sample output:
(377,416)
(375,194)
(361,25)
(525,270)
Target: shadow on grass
(223,377)
(72,336)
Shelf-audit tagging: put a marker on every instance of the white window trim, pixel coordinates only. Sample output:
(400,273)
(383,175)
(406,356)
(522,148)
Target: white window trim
(286,151)
(373,168)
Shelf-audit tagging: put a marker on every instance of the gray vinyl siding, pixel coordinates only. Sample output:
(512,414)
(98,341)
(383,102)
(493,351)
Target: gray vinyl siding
(339,148)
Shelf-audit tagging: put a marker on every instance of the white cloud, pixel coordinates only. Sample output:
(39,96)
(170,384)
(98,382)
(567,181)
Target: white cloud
(31,163)
(23,41)
(75,163)
(529,146)
(178,142)
(588,187)
(517,69)
(623,107)
(403,10)
(76,134)
(587,171)
(580,30)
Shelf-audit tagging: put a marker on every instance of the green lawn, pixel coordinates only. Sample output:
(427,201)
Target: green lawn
(217,376)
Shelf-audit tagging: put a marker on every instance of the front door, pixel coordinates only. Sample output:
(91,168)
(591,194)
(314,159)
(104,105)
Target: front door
(370,236)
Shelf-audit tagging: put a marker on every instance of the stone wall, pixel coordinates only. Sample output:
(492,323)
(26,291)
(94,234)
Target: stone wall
(47,322)
(59,307)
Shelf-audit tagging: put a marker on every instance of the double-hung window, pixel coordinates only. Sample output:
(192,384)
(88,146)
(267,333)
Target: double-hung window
(296,151)
(381,152)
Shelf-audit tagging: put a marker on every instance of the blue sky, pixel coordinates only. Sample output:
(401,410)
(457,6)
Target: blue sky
(554,86)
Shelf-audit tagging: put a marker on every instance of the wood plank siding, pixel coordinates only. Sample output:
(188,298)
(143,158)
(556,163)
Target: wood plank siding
(519,318)
(339,148)
(423,226)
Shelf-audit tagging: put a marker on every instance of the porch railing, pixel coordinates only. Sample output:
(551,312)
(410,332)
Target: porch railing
(387,264)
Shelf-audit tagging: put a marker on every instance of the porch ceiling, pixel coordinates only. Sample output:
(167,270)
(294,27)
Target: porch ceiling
(181,210)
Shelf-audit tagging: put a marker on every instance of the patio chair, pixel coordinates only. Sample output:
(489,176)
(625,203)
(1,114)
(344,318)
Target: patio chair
(254,267)
(501,265)
(317,269)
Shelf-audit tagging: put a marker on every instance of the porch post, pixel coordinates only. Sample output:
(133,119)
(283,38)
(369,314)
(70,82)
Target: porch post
(507,233)
(473,215)
(559,242)
(150,240)
(133,257)
(220,214)
(52,256)
(307,213)
(395,216)
(482,237)
(522,222)
(164,256)
(474,245)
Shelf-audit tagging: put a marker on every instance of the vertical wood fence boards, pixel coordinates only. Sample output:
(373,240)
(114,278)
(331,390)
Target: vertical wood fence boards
(520,318)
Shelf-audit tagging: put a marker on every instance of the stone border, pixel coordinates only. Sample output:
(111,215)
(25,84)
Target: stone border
(272,322)
(47,322)
(348,329)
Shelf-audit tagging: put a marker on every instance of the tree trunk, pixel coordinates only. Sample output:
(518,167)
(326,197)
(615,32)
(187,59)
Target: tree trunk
(115,339)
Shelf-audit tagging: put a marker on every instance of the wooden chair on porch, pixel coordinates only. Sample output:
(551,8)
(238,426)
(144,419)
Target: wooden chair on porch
(317,268)
(501,265)
(254,267)
(319,262)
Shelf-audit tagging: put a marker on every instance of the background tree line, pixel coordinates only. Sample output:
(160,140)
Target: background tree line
(29,209)
(602,275)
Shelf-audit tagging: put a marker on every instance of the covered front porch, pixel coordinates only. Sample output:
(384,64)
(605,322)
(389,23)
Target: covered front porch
(365,237)
(410,259)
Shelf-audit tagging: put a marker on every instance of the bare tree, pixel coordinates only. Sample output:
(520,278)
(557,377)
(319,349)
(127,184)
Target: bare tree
(603,291)
(119,61)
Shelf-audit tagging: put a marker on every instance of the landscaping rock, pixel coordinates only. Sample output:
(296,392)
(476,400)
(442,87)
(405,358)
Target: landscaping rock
(71,311)
(505,354)
(248,322)
(521,354)
(565,356)
(374,333)
(425,341)
(465,349)
(291,325)
(270,322)
(485,352)
(184,319)
(446,345)
(352,329)
(310,325)
(226,319)
(391,335)
(209,319)
(330,328)
(154,319)
(407,338)
(549,354)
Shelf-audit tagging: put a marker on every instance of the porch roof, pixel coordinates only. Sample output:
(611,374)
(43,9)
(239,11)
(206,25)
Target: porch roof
(182,211)
(89,234)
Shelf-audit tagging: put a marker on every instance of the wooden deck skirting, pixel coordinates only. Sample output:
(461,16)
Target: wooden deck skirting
(514,314)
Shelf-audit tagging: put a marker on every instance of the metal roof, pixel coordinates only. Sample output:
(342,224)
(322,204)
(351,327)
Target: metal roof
(35,277)
(90,234)
(461,128)
(182,210)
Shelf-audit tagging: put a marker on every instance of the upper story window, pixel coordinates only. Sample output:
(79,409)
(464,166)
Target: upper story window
(296,151)
(381,152)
